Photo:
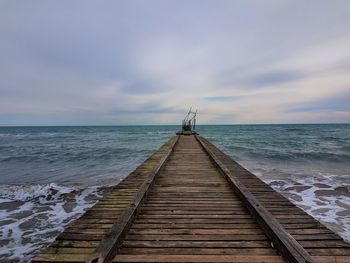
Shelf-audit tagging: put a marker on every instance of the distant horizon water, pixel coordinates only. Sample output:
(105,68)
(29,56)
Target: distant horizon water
(49,175)
(177,124)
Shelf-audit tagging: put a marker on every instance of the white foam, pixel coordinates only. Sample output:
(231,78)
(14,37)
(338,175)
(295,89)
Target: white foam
(27,192)
(325,208)
(35,215)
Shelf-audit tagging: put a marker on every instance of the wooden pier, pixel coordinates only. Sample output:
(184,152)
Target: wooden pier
(189,202)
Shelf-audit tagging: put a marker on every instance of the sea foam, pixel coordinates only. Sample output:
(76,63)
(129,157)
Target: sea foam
(325,197)
(31,216)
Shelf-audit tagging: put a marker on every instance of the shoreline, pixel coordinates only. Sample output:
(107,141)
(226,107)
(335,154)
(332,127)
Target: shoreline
(20,215)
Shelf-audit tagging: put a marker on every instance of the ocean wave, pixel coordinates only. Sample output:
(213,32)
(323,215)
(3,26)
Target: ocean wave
(103,155)
(160,132)
(294,129)
(30,192)
(99,154)
(31,216)
(308,156)
(282,154)
(73,155)
(23,158)
(345,148)
(324,196)
(327,202)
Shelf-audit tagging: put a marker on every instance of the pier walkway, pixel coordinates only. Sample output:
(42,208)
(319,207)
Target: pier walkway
(189,202)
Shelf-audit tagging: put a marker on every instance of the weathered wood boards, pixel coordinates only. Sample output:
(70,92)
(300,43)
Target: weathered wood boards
(321,243)
(104,252)
(183,209)
(291,250)
(80,239)
(191,192)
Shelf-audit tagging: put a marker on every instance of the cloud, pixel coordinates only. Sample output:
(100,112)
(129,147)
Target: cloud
(274,78)
(338,103)
(116,62)
(222,98)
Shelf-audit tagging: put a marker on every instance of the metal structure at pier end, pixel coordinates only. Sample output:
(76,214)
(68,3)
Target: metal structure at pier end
(189,123)
(190,202)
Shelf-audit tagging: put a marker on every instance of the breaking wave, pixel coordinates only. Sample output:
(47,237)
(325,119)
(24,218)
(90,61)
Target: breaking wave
(31,216)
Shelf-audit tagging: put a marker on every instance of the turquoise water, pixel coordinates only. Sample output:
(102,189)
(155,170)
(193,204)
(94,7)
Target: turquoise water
(75,155)
(325,147)
(100,155)
(50,175)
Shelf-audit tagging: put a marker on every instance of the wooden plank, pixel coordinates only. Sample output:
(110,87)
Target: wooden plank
(117,196)
(189,213)
(77,244)
(197,244)
(291,250)
(198,258)
(74,258)
(331,259)
(194,220)
(198,225)
(69,250)
(195,231)
(189,202)
(252,237)
(198,251)
(108,247)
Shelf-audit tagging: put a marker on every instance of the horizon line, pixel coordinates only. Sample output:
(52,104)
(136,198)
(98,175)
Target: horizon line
(128,125)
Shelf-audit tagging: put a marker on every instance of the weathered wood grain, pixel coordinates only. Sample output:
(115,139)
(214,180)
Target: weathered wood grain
(190,212)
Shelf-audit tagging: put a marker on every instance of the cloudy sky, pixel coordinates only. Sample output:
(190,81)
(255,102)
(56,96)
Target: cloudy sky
(147,62)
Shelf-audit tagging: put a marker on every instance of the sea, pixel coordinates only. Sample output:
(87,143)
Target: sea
(50,175)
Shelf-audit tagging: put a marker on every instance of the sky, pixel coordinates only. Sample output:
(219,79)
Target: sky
(147,62)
